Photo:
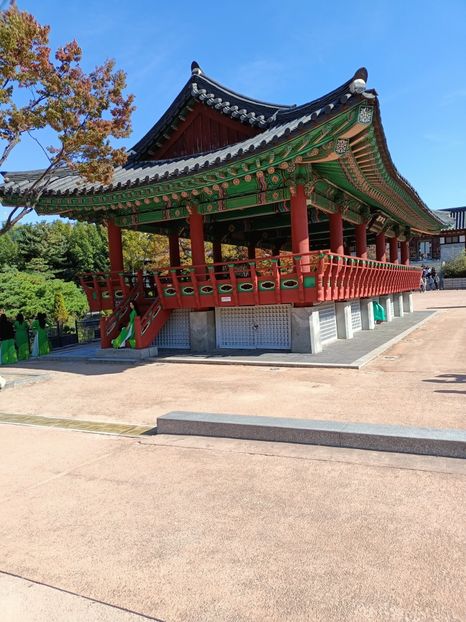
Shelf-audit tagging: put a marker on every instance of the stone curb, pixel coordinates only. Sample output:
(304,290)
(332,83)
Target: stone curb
(400,439)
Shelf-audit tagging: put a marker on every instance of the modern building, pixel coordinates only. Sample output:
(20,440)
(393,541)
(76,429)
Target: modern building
(445,244)
(312,184)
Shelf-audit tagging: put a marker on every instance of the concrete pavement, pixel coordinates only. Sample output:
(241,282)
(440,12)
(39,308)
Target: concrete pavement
(419,382)
(27,601)
(191,530)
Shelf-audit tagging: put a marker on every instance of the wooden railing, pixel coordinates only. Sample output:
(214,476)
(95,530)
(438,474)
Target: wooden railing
(289,278)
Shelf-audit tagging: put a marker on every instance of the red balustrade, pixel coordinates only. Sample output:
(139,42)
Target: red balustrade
(289,278)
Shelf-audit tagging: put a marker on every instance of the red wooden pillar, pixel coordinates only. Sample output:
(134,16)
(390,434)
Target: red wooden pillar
(217,251)
(380,247)
(196,232)
(405,252)
(299,222)
(393,242)
(336,234)
(361,240)
(115,249)
(174,249)
(251,250)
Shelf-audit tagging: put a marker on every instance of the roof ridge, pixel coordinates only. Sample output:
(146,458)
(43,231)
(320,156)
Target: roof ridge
(245,98)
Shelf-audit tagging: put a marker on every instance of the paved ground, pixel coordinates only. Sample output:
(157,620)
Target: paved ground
(210,530)
(421,381)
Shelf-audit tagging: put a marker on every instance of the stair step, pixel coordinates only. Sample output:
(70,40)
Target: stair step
(124,354)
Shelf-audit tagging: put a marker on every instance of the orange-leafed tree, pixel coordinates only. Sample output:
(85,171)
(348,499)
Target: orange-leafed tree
(41,89)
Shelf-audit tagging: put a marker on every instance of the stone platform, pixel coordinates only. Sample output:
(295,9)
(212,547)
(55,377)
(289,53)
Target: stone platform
(345,353)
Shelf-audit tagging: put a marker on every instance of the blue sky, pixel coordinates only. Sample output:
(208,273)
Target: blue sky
(290,52)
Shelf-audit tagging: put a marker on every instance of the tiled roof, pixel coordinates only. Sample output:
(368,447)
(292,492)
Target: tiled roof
(286,121)
(277,124)
(456,217)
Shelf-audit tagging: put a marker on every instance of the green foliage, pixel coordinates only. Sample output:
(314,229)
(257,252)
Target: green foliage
(59,313)
(144,249)
(456,268)
(8,252)
(58,248)
(31,293)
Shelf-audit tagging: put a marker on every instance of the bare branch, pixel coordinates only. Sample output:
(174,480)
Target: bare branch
(40,145)
(12,219)
(8,149)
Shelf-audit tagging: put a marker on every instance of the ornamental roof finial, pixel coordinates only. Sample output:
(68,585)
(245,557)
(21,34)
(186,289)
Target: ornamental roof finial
(195,69)
(358,85)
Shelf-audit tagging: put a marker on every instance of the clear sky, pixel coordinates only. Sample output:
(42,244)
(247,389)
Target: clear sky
(290,52)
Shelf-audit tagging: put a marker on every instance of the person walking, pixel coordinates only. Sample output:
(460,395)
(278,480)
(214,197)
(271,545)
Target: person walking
(435,279)
(423,283)
(22,337)
(41,344)
(7,341)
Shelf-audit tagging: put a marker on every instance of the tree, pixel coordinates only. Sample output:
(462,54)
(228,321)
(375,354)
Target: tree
(8,252)
(31,293)
(39,90)
(59,312)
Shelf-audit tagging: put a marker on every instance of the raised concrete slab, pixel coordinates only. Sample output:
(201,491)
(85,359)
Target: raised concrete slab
(399,439)
(343,353)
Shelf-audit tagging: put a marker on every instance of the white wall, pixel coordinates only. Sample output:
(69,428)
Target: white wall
(450,251)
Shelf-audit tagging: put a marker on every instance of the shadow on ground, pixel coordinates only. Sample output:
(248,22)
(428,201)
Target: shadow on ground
(82,368)
(448,379)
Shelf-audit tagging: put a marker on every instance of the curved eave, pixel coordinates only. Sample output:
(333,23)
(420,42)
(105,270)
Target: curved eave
(402,181)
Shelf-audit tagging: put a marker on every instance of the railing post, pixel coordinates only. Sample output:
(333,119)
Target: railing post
(255,281)
(276,278)
(213,284)
(194,284)
(234,284)
(298,270)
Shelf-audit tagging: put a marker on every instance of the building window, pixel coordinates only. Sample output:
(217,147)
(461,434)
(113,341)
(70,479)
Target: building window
(425,249)
(452,239)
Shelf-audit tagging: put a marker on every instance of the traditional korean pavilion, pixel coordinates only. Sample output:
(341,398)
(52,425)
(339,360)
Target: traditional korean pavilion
(312,184)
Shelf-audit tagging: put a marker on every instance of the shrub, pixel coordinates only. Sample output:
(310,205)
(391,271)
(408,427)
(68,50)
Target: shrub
(456,267)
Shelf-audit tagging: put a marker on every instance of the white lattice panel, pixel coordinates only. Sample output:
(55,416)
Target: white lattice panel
(175,334)
(328,323)
(273,327)
(392,307)
(235,327)
(261,327)
(356,315)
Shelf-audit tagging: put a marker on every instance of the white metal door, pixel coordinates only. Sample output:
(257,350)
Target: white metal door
(273,327)
(234,327)
(263,327)
(356,315)
(328,323)
(175,333)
